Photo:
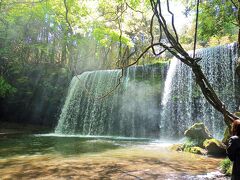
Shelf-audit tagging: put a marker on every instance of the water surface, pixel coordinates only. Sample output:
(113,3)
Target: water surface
(91,157)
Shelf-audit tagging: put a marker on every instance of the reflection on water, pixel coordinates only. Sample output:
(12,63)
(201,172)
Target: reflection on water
(11,145)
(48,157)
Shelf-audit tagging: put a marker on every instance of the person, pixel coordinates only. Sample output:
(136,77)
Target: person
(233,149)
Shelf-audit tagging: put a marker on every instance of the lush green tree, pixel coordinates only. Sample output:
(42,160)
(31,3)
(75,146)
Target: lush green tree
(5,88)
(44,42)
(218,22)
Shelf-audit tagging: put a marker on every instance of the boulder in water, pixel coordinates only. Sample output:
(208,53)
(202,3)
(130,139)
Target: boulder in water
(200,141)
(214,147)
(198,133)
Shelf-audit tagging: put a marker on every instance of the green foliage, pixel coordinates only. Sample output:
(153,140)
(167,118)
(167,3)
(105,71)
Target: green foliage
(39,95)
(106,35)
(226,166)
(135,3)
(5,88)
(42,32)
(93,35)
(217,21)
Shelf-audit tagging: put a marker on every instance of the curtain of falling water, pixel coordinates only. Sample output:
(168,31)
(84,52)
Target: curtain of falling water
(183,103)
(132,110)
(140,107)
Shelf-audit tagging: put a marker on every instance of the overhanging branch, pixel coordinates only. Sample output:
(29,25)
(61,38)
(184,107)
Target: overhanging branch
(178,51)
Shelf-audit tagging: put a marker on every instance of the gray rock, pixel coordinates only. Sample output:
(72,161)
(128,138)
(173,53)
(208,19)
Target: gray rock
(198,133)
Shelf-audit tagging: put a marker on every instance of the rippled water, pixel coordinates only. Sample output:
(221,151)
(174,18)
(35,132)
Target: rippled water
(89,157)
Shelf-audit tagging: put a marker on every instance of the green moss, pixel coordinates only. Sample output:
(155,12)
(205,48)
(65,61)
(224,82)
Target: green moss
(198,133)
(226,136)
(226,166)
(188,147)
(209,141)
(195,150)
(214,147)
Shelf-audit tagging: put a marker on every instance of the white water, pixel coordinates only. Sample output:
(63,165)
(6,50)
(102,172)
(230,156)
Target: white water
(185,104)
(168,82)
(143,106)
(132,110)
(83,111)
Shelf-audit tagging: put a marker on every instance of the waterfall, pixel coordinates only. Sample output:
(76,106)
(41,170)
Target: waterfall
(132,110)
(83,111)
(183,103)
(140,101)
(168,82)
(144,105)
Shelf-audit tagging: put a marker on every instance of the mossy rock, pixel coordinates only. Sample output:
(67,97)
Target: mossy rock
(214,147)
(195,150)
(187,148)
(227,135)
(177,147)
(198,133)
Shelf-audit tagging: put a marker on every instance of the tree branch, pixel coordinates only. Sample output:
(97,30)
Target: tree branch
(177,50)
(66,16)
(234,4)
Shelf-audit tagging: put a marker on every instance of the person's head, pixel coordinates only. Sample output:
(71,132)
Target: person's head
(236,128)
